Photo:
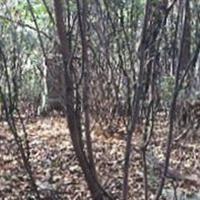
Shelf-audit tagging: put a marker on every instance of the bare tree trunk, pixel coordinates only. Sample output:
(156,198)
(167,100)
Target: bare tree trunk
(155,19)
(12,125)
(172,114)
(85,66)
(187,47)
(135,105)
(73,119)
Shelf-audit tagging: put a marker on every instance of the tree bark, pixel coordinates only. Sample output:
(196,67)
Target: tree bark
(73,119)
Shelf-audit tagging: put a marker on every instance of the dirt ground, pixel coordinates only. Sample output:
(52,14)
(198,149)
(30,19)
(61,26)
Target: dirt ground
(59,176)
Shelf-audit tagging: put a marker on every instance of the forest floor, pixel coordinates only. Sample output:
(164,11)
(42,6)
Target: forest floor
(59,176)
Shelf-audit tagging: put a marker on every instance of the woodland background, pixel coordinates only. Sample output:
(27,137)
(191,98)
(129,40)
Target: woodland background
(100,99)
